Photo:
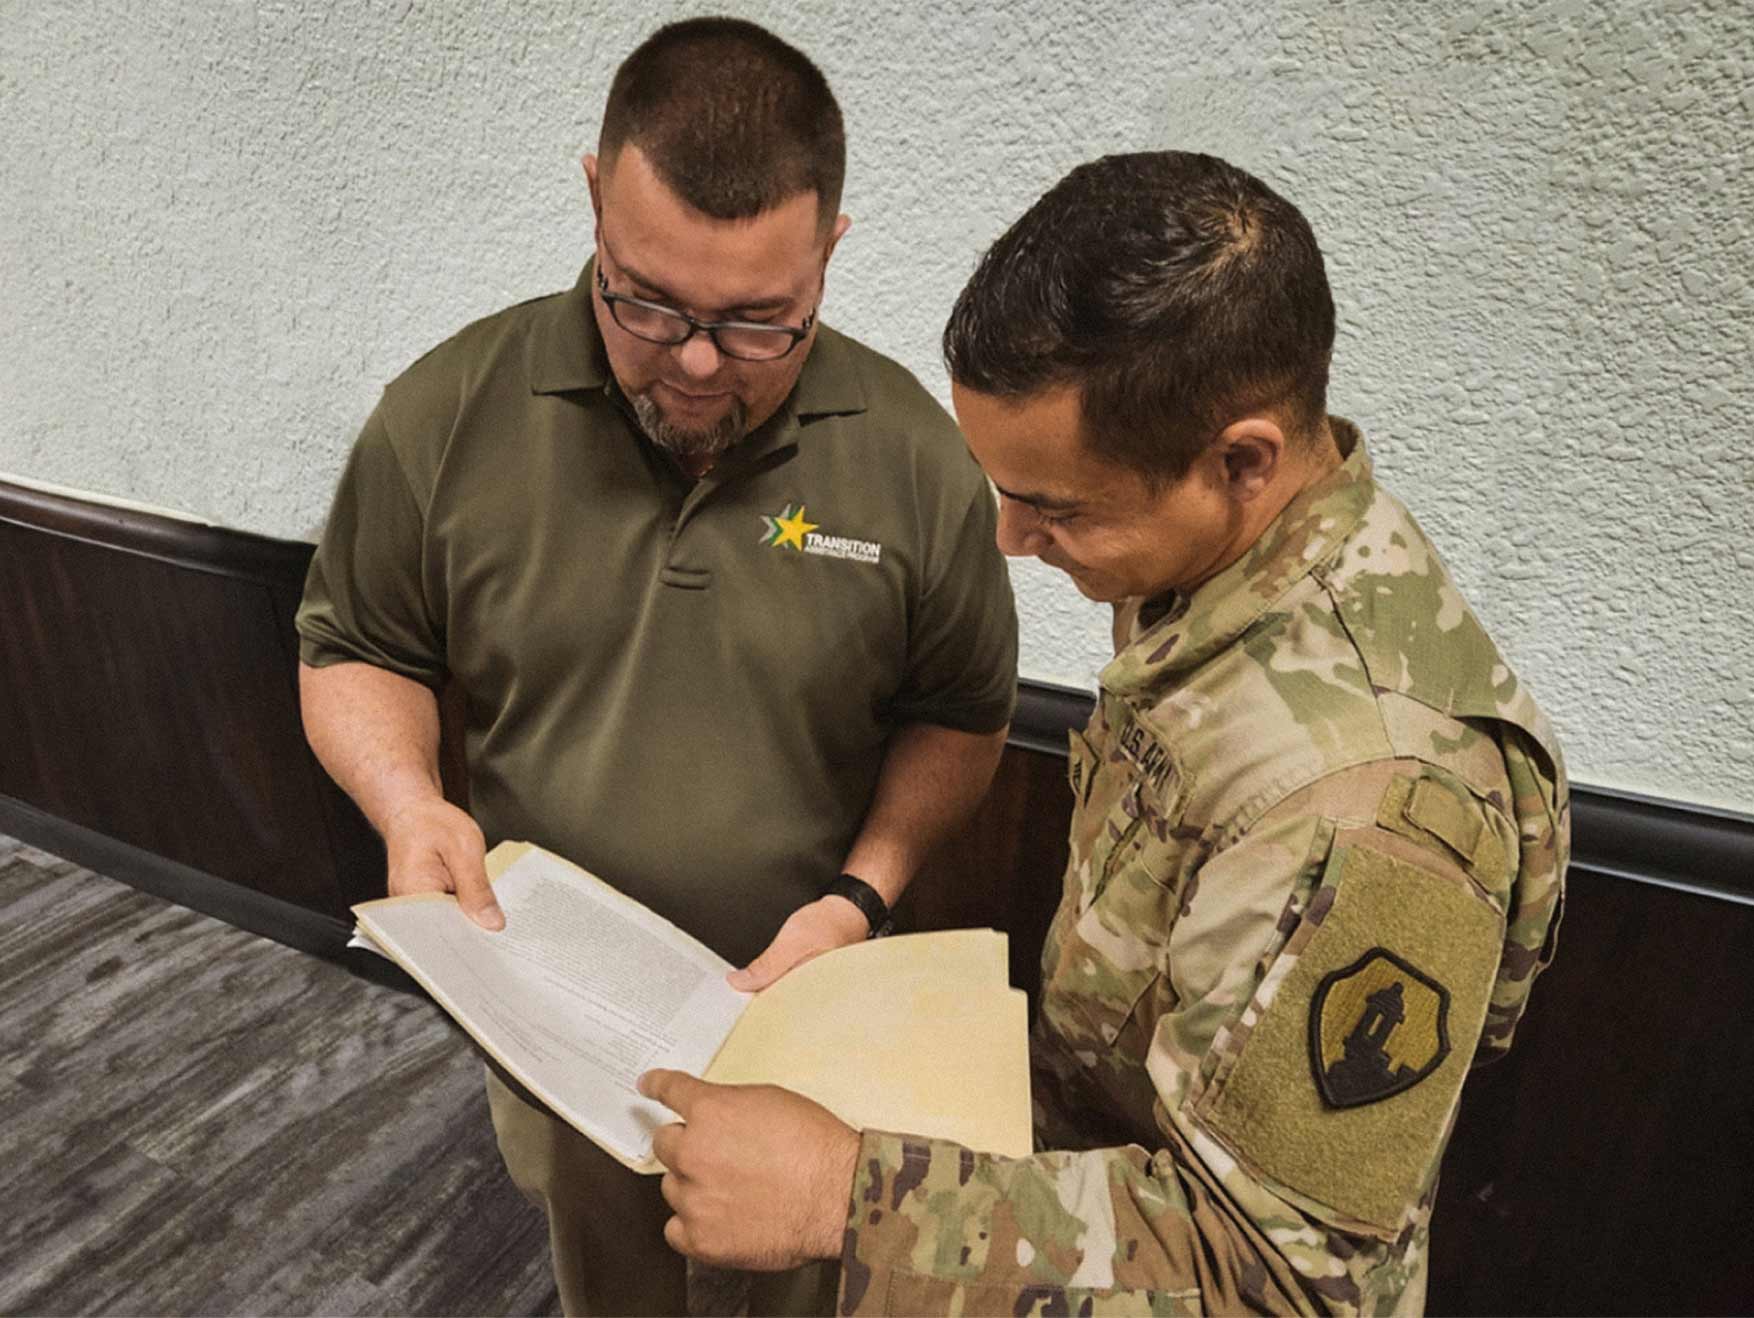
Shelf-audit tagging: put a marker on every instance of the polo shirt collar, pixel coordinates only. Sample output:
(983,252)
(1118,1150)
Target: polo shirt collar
(566,353)
(1308,532)
(829,384)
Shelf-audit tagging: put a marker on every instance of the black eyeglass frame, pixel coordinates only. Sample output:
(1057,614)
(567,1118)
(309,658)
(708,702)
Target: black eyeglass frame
(796,333)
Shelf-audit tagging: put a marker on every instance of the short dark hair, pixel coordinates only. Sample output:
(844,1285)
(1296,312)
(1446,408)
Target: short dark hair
(733,119)
(1177,291)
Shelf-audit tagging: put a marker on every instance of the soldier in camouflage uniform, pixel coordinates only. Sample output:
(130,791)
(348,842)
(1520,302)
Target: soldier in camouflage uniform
(1320,828)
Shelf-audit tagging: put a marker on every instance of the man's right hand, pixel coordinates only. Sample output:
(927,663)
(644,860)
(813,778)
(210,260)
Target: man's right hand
(434,847)
(377,733)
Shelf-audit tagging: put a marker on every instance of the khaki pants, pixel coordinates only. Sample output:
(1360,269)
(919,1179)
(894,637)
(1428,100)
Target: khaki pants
(606,1230)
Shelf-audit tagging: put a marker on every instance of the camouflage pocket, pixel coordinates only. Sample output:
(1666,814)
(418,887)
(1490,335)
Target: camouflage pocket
(1105,824)
(1103,967)
(1114,950)
(1116,846)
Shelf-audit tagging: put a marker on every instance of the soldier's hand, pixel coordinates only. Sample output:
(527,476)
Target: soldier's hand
(432,846)
(822,926)
(758,1177)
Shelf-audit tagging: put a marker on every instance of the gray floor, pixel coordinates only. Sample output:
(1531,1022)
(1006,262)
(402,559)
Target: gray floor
(194,1120)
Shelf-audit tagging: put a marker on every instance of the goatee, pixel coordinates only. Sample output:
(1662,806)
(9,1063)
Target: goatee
(693,442)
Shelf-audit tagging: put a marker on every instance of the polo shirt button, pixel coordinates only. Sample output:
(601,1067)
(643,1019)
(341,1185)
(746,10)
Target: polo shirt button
(1110,1034)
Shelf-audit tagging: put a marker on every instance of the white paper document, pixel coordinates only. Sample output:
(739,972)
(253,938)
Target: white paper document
(576,1009)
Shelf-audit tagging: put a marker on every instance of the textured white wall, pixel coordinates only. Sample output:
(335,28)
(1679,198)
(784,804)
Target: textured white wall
(223,226)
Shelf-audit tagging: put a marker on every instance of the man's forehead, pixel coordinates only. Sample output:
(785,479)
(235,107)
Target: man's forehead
(685,283)
(707,265)
(1032,447)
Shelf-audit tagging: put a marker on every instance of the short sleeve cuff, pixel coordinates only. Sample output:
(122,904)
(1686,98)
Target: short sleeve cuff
(321,651)
(988,714)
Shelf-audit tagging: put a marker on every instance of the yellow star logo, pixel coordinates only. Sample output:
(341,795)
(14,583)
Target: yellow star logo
(792,530)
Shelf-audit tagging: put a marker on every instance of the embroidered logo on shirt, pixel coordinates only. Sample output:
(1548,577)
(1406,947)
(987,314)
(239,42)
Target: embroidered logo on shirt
(792,529)
(789,528)
(1376,1028)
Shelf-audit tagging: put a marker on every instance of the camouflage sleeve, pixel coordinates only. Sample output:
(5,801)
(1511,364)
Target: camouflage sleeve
(936,1229)
(1540,798)
(1321,994)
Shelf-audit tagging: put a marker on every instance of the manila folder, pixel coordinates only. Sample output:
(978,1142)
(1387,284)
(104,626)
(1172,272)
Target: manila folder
(585,989)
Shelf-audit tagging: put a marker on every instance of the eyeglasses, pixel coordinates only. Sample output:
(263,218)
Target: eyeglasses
(742,339)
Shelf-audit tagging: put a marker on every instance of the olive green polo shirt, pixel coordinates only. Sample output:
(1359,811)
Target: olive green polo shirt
(684,686)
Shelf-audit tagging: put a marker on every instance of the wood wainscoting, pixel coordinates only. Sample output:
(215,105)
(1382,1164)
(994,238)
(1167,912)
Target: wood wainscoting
(149,697)
(149,730)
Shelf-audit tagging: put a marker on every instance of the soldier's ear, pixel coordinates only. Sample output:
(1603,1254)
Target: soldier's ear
(1249,452)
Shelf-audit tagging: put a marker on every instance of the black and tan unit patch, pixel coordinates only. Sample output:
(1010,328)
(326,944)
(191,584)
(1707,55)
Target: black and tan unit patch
(1376,1028)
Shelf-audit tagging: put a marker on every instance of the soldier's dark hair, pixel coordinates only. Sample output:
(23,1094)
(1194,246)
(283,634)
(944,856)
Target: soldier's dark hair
(1178,292)
(733,119)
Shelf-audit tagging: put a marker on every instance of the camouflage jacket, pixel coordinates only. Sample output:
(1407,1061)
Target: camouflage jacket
(1318,847)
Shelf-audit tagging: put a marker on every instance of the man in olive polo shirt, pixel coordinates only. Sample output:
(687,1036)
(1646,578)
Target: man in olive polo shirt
(719,585)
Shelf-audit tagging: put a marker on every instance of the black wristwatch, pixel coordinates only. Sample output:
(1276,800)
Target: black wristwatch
(866,898)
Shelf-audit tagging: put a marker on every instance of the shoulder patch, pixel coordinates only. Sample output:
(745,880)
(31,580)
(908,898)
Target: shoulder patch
(1376,1027)
(1324,1093)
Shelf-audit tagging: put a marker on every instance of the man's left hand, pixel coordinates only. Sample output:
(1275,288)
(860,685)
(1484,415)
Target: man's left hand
(758,1177)
(822,926)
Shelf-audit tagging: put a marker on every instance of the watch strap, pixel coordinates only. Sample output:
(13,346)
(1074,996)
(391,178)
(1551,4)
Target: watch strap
(869,901)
